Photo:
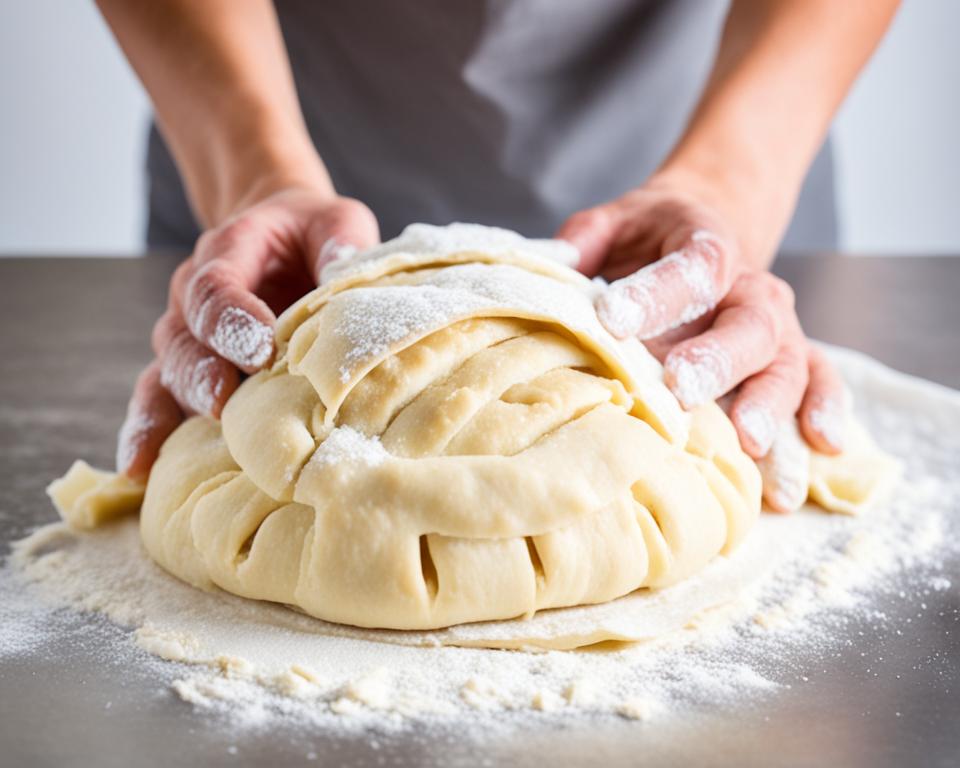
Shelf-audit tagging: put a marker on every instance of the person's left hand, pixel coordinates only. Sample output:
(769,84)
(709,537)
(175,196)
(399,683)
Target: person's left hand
(682,284)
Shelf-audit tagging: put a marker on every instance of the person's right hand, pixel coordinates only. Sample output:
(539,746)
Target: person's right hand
(222,307)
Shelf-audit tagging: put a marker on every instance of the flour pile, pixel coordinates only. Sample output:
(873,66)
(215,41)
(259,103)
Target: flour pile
(798,581)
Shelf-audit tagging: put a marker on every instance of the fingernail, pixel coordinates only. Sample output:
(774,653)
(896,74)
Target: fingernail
(242,339)
(623,308)
(758,424)
(827,419)
(131,437)
(785,469)
(335,250)
(699,374)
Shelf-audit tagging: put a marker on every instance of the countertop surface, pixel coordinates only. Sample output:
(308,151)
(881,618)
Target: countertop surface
(75,332)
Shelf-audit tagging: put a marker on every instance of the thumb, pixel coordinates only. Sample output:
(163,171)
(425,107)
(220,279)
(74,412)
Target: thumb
(339,232)
(592,232)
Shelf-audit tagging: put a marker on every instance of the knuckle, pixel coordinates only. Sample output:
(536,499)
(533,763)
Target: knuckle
(717,254)
(205,296)
(748,286)
(215,243)
(163,331)
(779,291)
(789,364)
(355,215)
(148,379)
(764,323)
(179,280)
(205,283)
(785,381)
(671,209)
(591,218)
(351,208)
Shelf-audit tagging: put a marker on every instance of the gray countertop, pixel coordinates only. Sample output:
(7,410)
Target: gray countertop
(74,335)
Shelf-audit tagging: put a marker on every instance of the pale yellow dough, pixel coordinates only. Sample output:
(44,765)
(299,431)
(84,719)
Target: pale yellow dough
(87,498)
(448,435)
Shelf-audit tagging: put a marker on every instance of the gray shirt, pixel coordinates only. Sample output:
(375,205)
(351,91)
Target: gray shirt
(508,112)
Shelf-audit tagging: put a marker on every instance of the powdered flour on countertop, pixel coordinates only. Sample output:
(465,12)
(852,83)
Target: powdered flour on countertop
(254,662)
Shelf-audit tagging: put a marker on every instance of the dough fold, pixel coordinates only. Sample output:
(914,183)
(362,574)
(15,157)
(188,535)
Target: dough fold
(448,437)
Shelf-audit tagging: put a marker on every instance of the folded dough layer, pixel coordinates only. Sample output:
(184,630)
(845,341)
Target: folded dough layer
(448,436)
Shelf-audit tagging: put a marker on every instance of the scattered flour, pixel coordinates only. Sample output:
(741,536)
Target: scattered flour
(345,444)
(455,238)
(254,663)
(334,250)
(377,317)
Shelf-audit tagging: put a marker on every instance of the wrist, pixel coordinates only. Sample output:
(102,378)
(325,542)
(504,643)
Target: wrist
(240,160)
(261,169)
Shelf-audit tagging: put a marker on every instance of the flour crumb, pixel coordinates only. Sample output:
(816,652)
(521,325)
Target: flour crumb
(547,701)
(581,693)
(480,693)
(345,445)
(172,646)
(372,689)
(638,708)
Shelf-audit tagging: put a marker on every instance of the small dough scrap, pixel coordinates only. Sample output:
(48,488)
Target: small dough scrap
(86,497)
(853,481)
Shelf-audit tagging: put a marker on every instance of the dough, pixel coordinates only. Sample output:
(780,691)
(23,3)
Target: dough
(448,435)
(87,498)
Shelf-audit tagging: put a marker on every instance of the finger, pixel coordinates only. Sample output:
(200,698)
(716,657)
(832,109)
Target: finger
(769,398)
(823,411)
(592,233)
(225,316)
(661,346)
(785,470)
(151,416)
(343,229)
(744,339)
(199,380)
(675,290)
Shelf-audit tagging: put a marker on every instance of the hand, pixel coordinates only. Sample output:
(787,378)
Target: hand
(223,305)
(685,289)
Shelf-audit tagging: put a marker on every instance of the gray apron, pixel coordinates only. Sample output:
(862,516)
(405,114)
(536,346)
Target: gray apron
(508,112)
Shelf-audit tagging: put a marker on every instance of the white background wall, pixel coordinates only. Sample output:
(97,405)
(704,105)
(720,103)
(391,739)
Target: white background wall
(73,121)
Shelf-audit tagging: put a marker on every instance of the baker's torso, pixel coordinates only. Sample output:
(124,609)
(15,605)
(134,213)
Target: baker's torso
(508,112)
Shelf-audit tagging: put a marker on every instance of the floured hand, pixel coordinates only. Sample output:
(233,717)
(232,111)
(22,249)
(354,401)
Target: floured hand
(682,285)
(222,307)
